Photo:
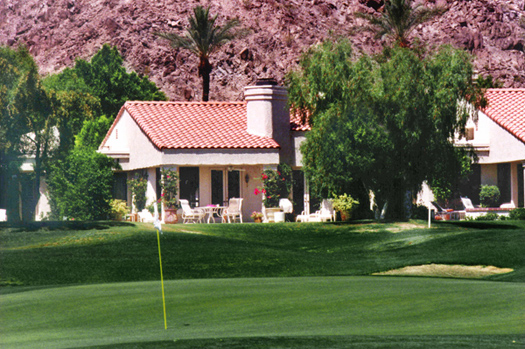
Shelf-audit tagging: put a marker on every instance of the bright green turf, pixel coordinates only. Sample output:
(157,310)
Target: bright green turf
(268,307)
(115,302)
(107,252)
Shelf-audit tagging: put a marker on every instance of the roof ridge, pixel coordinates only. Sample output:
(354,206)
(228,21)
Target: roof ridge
(516,89)
(186,102)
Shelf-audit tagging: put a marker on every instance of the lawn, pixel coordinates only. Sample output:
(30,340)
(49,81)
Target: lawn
(259,285)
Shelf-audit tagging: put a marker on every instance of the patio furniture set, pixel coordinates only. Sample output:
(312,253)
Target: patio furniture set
(469,211)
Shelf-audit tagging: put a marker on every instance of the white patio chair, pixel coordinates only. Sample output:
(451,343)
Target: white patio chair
(189,214)
(145,216)
(303,217)
(233,211)
(326,213)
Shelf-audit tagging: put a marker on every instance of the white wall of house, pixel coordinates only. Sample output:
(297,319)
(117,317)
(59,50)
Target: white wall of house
(298,139)
(493,143)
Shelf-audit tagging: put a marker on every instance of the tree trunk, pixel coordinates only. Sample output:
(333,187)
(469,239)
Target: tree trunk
(204,71)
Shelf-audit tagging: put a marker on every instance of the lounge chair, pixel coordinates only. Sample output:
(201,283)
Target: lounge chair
(145,216)
(189,214)
(326,213)
(233,211)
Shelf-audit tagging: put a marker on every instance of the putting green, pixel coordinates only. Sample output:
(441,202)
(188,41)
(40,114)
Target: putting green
(220,308)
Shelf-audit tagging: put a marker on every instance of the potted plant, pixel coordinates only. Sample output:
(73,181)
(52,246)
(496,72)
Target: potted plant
(257,216)
(345,204)
(170,187)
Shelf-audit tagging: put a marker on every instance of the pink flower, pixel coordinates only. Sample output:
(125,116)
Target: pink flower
(168,177)
(264,176)
(264,191)
(162,194)
(256,191)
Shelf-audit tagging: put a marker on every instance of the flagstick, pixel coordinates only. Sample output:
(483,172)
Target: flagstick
(162,282)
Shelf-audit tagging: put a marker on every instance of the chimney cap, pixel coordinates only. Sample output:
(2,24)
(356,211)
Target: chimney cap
(266,81)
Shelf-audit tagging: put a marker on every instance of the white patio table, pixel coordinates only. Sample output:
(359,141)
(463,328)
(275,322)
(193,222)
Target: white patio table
(210,211)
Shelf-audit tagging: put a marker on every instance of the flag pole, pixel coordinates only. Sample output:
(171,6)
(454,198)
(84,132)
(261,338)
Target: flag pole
(157,225)
(162,283)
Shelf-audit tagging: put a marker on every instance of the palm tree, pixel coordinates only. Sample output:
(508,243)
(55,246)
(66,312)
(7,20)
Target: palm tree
(399,18)
(203,37)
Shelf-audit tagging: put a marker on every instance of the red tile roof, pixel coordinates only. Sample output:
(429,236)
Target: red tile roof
(507,108)
(296,123)
(196,125)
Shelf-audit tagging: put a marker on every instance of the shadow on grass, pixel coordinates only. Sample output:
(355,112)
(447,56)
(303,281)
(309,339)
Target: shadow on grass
(484,225)
(65,225)
(319,342)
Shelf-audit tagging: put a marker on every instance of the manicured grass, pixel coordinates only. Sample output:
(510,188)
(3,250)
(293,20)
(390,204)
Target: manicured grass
(108,252)
(276,307)
(259,285)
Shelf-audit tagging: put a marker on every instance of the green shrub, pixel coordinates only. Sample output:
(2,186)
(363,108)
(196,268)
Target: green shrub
(119,209)
(80,185)
(420,212)
(517,214)
(491,216)
(489,195)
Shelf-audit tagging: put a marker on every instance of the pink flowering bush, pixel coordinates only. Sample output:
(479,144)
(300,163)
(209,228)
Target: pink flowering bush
(276,185)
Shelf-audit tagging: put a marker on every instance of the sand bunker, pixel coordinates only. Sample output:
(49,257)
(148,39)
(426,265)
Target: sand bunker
(444,270)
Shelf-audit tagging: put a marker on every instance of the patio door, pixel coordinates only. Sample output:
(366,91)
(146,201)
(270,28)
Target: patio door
(189,184)
(234,184)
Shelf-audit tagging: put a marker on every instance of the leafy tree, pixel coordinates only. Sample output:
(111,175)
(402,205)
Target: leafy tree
(108,80)
(382,125)
(73,106)
(399,18)
(80,185)
(202,38)
(27,120)
(93,132)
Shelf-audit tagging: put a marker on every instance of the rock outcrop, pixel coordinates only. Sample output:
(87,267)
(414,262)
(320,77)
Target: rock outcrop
(59,31)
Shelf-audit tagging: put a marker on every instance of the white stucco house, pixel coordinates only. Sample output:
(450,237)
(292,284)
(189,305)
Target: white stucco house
(497,136)
(218,148)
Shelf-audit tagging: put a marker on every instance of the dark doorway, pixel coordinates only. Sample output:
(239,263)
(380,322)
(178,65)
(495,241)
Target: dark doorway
(521,188)
(504,182)
(217,187)
(234,184)
(189,185)
(471,186)
(298,191)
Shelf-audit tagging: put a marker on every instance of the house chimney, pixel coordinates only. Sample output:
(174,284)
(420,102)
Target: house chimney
(268,113)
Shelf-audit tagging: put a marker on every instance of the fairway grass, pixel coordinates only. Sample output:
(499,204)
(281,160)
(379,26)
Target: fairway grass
(266,308)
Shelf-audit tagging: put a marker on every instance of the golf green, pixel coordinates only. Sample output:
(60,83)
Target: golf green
(106,314)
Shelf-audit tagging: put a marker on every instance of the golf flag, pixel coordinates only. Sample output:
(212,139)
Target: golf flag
(156,224)
(156,221)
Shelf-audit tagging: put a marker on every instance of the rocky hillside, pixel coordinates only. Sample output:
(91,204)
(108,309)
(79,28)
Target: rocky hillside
(59,31)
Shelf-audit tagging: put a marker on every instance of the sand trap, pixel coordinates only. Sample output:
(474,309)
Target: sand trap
(444,270)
